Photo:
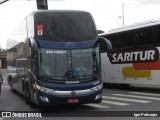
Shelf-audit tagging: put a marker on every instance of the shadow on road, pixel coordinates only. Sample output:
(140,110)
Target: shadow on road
(142,88)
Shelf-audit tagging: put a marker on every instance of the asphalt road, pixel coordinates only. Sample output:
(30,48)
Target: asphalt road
(132,100)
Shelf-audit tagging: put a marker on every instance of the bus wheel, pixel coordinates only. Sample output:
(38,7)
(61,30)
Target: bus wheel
(28,97)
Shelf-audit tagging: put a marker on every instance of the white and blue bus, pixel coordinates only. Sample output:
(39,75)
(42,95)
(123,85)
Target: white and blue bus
(54,58)
(135,57)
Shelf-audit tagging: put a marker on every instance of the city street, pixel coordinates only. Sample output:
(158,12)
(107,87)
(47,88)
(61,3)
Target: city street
(116,99)
(61,56)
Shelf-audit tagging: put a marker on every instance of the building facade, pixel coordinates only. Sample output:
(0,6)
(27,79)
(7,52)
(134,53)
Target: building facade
(3,63)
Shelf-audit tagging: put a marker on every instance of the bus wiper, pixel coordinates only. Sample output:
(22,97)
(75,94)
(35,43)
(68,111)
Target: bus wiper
(46,77)
(92,77)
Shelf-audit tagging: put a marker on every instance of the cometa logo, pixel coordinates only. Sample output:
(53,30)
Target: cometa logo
(72,82)
(135,56)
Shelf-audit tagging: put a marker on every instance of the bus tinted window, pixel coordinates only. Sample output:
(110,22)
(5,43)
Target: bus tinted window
(17,36)
(130,39)
(148,36)
(65,26)
(114,40)
(157,34)
(139,37)
(126,39)
(122,40)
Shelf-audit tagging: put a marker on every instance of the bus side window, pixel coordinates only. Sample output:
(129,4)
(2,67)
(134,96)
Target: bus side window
(139,38)
(157,35)
(148,36)
(122,40)
(33,66)
(18,65)
(126,40)
(114,41)
(130,39)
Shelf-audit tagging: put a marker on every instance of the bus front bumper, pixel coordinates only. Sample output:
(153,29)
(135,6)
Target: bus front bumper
(93,95)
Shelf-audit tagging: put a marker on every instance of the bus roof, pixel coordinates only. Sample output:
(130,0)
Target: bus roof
(133,26)
(55,11)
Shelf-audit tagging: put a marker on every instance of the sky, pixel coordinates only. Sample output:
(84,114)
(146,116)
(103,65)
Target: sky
(106,13)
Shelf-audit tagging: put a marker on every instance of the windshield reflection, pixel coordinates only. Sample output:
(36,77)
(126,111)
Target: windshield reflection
(81,64)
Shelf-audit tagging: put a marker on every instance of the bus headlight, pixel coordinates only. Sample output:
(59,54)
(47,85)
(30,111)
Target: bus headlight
(98,87)
(44,89)
(99,96)
(43,98)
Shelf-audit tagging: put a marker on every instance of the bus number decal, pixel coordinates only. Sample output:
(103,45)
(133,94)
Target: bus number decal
(40,29)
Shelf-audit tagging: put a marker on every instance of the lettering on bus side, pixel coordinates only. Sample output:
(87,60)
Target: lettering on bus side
(134,56)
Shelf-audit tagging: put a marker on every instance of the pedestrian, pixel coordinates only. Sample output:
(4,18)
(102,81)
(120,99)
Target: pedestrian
(1,81)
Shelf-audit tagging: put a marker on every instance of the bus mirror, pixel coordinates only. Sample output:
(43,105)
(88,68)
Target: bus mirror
(42,4)
(105,45)
(100,31)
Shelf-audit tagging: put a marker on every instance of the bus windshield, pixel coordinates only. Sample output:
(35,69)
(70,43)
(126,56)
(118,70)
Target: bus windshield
(62,65)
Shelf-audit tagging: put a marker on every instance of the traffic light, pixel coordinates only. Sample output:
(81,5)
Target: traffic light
(42,4)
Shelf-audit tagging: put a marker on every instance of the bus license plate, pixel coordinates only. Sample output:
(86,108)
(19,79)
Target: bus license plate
(73,100)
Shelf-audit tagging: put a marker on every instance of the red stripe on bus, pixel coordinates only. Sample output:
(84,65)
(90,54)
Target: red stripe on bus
(147,66)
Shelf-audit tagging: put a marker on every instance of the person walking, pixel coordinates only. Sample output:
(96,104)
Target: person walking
(1,81)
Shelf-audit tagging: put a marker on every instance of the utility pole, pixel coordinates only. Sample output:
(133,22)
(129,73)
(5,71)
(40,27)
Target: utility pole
(123,14)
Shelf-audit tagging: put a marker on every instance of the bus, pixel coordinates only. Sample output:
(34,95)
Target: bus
(135,55)
(53,58)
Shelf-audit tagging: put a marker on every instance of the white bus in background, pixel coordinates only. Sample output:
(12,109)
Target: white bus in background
(135,55)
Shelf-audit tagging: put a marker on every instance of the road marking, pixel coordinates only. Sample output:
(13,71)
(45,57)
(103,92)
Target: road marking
(151,98)
(142,93)
(6,86)
(125,99)
(97,106)
(114,103)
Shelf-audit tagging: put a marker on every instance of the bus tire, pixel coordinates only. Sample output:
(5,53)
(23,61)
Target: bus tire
(28,97)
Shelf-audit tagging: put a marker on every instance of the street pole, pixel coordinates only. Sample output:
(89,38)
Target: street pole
(123,14)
